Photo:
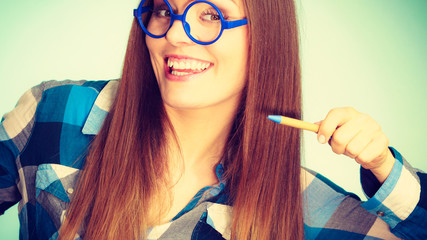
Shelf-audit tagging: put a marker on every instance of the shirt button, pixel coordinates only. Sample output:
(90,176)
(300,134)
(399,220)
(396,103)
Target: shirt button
(70,191)
(380,213)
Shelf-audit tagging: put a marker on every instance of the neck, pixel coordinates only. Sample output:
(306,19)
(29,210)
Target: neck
(201,134)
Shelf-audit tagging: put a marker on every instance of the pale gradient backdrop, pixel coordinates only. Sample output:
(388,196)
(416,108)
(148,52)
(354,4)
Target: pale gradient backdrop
(371,55)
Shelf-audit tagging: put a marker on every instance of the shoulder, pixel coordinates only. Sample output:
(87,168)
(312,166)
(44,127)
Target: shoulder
(61,101)
(57,92)
(51,102)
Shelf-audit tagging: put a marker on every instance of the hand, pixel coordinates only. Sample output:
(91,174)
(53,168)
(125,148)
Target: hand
(357,136)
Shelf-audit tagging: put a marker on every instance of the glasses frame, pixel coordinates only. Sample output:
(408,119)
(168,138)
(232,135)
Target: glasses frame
(224,24)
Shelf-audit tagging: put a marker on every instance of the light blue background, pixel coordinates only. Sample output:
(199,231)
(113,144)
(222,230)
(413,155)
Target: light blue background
(371,55)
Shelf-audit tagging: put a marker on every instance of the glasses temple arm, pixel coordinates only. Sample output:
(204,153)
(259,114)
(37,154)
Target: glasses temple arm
(233,24)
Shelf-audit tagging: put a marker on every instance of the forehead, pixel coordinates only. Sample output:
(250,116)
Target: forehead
(238,3)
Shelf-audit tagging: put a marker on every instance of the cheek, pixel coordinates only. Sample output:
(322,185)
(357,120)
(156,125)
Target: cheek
(233,71)
(235,60)
(238,50)
(241,66)
(149,42)
(153,47)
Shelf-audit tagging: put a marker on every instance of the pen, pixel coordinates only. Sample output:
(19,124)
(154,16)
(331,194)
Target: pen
(294,123)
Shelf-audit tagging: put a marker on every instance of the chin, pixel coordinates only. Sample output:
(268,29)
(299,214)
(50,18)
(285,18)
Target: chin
(183,104)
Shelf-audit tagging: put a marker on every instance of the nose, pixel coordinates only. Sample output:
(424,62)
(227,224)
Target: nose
(176,34)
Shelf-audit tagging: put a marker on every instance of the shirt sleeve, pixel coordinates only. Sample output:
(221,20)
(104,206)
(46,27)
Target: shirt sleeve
(9,193)
(15,129)
(401,201)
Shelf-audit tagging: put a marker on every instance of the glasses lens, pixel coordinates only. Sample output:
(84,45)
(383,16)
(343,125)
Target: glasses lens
(204,21)
(156,17)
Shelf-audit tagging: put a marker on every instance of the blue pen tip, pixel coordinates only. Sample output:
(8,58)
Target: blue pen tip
(275,118)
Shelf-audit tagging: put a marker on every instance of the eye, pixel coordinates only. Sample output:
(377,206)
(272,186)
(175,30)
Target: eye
(161,11)
(210,15)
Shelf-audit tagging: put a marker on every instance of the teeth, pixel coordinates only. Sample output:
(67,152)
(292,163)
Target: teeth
(181,65)
(179,73)
(187,64)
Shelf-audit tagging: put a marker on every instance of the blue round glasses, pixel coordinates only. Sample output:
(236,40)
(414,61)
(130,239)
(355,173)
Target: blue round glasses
(203,22)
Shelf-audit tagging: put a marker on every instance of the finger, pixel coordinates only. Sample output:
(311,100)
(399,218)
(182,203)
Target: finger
(335,118)
(358,144)
(343,136)
(375,153)
(359,129)
(318,123)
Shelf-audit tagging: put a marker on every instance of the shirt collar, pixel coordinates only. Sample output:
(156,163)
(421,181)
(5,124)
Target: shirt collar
(100,108)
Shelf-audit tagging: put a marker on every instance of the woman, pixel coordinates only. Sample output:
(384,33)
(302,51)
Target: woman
(186,138)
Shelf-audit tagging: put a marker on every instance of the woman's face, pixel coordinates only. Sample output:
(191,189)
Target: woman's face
(193,76)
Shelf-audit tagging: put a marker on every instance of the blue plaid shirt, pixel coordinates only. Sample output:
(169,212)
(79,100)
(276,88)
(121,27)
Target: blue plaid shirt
(43,143)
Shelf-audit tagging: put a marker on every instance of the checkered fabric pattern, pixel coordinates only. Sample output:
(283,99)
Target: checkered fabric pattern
(44,140)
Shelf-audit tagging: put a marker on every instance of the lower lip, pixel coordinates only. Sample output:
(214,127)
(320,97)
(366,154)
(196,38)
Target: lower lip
(183,78)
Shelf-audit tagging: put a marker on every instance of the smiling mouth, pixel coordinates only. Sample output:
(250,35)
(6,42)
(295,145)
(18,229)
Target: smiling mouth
(181,67)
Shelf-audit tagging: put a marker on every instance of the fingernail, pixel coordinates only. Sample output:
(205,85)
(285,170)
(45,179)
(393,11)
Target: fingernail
(321,139)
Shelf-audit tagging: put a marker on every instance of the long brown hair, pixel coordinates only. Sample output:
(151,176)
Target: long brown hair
(126,168)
